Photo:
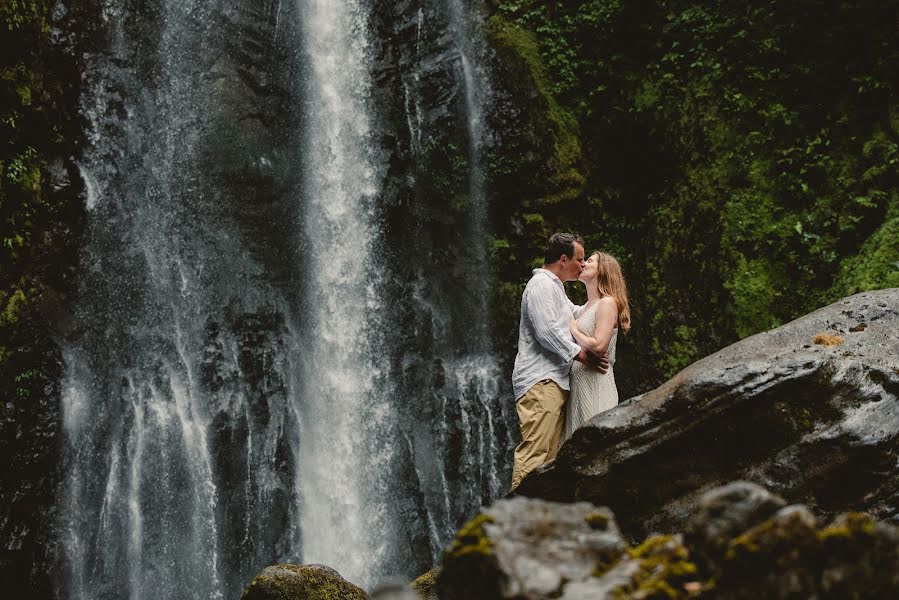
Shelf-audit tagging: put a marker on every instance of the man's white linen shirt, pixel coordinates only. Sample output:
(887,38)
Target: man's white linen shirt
(545,345)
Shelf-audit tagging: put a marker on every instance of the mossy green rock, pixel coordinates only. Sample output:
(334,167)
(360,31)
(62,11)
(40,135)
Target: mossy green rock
(775,558)
(790,556)
(860,558)
(725,513)
(528,548)
(301,582)
(425,585)
(749,544)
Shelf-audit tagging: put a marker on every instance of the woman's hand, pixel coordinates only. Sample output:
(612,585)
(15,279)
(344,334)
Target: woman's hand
(572,325)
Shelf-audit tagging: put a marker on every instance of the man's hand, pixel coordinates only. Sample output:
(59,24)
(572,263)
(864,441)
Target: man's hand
(599,363)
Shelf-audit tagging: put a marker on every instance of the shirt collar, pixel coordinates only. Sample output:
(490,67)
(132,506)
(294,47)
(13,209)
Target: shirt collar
(551,276)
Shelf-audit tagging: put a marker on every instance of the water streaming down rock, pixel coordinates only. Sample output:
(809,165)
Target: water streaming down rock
(345,457)
(258,371)
(179,403)
(460,421)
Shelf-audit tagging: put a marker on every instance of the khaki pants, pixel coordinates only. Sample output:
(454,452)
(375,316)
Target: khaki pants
(540,413)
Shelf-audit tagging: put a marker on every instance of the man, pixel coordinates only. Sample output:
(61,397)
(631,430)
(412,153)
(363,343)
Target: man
(546,350)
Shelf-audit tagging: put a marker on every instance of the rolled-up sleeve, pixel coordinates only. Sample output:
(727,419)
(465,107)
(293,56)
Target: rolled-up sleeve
(548,309)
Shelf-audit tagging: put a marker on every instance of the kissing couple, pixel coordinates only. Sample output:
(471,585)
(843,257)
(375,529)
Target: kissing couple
(565,350)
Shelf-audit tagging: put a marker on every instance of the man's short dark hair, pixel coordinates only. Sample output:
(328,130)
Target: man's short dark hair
(559,244)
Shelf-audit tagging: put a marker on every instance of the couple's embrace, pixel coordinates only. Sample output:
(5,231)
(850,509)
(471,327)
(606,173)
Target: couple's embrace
(565,350)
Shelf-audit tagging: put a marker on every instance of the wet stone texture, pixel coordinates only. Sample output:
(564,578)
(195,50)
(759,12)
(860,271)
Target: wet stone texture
(810,410)
(529,548)
(301,582)
(741,542)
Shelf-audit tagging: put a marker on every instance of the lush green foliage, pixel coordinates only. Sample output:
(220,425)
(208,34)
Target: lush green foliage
(741,159)
(36,104)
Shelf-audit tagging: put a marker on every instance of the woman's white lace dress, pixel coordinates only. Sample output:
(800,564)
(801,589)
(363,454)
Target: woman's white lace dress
(592,392)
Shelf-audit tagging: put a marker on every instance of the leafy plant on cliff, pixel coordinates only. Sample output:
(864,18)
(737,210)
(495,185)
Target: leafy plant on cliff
(739,158)
(36,123)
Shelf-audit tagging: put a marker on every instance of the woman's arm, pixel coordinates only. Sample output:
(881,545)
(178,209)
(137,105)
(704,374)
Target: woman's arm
(606,319)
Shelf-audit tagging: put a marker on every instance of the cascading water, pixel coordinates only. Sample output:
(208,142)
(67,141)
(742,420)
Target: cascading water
(244,382)
(344,461)
(461,394)
(179,412)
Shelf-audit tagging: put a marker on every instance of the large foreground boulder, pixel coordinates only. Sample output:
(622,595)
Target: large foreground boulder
(529,548)
(810,410)
(301,582)
(741,542)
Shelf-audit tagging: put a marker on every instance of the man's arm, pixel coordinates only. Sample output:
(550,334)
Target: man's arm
(547,316)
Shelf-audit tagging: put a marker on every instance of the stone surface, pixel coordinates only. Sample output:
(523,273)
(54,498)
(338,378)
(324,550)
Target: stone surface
(301,582)
(752,547)
(425,585)
(816,424)
(725,512)
(789,556)
(529,548)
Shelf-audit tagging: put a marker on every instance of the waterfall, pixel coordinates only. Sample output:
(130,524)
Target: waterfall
(474,84)
(461,394)
(344,461)
(179,395)
(259,368)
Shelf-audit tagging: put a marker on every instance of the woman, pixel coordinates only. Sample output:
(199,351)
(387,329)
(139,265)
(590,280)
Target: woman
(596,330)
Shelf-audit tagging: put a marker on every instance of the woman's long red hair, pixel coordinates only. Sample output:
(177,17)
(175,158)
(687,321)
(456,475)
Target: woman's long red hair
(610,281)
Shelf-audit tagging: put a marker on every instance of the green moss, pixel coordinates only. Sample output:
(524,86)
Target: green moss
(849,527)
(299,581)
(15,307)
(747,543)
(782,548)
(755,294)
(424,584)
(876,266)
(598,520)
(664,569)
(23,14)
(472,539)
(566,176)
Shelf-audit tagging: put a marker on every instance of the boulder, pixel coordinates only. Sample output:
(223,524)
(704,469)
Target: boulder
(751,545)
(425,585)
(725,512)
(301,582)
(530,548)
(790,556)
(810,410)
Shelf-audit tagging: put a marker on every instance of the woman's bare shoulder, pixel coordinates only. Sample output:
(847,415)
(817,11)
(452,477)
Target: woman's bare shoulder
(607,301)
(607,304)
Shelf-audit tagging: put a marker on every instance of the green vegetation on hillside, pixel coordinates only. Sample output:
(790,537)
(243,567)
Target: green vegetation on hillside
(741,160)
(36,126)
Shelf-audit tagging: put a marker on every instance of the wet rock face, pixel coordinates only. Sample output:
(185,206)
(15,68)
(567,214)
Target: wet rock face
(301,582)
(810,409)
